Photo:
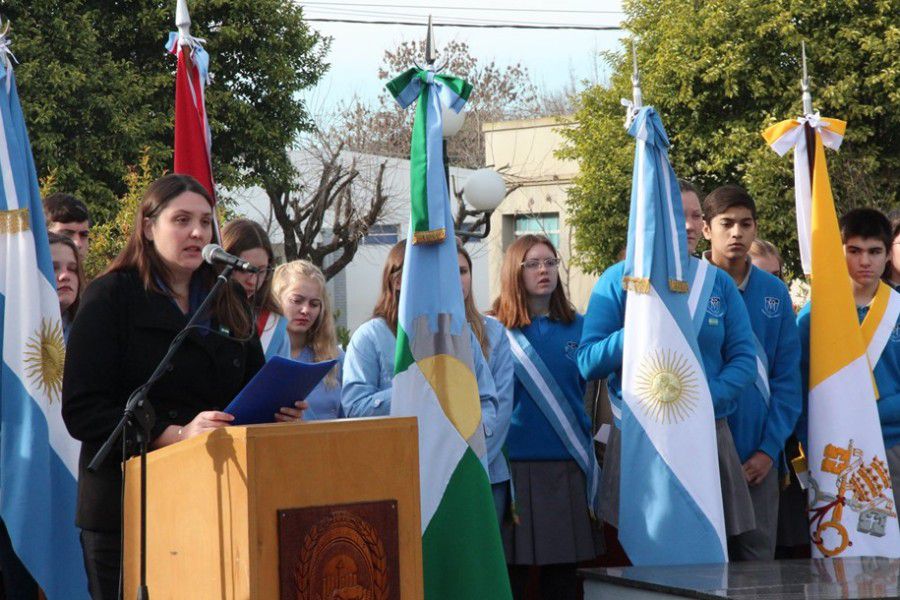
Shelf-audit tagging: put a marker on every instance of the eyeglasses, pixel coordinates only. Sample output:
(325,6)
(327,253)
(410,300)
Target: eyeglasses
(535,264)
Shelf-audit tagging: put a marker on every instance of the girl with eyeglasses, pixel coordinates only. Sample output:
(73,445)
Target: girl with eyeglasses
(248,241)
(550,447)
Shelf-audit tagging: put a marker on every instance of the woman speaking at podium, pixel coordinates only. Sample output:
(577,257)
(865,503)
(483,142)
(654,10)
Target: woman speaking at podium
(127,319)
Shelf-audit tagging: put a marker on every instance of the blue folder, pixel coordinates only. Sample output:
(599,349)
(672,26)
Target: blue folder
(280,382)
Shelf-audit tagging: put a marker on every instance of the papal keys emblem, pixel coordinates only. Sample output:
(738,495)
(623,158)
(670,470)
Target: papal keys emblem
(862,488)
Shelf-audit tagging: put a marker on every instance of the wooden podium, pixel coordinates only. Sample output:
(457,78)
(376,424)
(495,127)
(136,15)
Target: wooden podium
(221,521)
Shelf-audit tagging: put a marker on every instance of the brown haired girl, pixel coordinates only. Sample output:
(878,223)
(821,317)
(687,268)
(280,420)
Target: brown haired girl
(549,443)
(69,273)
(127,320)
(369,362)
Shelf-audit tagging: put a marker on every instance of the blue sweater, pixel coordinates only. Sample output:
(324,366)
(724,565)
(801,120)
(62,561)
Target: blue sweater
(887,378)
(726,345)
(369,374)
(755,426)
(531,437)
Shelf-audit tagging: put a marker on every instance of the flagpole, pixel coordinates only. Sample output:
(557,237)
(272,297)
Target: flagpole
(807,112)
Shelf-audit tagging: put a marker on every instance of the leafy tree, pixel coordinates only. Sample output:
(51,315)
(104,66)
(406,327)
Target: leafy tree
(721,71)
(98,89)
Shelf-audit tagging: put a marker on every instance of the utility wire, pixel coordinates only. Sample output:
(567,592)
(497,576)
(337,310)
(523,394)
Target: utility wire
(467,8)
(473,25)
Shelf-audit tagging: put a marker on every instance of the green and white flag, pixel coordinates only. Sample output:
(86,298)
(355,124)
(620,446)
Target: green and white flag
(434,369)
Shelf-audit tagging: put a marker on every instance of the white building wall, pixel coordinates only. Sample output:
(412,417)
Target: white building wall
(356,295)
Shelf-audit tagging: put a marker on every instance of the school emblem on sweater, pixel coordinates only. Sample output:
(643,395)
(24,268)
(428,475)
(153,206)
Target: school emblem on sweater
(895,334)
(715,307)
(863,488)
(666,386)
(571,349)
(45,357)
(771,307)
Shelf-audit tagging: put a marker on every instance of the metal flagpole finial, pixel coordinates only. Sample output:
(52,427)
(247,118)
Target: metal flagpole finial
(637,98)
(183,20)
(804,84)
(430,54)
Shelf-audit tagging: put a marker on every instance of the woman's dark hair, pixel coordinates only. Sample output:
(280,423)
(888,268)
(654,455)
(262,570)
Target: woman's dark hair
(55,238)
(388,305)
(229,308)
(241,235)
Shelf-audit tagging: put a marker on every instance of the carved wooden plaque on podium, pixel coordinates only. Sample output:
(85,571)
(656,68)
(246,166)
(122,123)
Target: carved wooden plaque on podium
(346,552)
(247,512)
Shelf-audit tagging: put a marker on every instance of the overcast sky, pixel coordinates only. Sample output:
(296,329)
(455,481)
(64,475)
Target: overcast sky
(554,58)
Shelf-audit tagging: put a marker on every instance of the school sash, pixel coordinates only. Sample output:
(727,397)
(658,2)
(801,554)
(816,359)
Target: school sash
(880,322)
(543,388)
(274,338)
(702,280)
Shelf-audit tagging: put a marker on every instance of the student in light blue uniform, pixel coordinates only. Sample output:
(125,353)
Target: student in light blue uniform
(866,234)
(727,348)
(369,362)
(491,336)
(766,412)
(551,450)
(299,288)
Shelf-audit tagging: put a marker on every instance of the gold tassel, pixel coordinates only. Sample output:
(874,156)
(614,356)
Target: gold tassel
(641,285)
(680,287)
(435,236)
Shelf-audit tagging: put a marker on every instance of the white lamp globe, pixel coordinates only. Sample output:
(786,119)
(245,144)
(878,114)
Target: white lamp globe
(484,190)
(452,120)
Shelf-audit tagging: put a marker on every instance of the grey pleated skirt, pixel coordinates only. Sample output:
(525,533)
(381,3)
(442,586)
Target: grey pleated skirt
(554,523)
(893,460)
(735,495)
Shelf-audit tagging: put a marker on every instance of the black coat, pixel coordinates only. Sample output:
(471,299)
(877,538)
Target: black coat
(120,334)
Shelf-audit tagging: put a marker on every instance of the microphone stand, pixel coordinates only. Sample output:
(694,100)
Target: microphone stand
(139,417)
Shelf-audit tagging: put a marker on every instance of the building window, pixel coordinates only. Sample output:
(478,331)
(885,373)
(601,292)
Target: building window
(382,234)
(546,224)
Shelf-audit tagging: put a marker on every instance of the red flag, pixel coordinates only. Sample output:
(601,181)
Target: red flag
(192,140)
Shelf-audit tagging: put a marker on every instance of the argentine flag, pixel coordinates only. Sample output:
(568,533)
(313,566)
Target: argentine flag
(670,495)
(38,458)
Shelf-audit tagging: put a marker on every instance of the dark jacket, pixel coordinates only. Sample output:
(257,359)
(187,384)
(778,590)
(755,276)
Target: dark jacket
(120,334)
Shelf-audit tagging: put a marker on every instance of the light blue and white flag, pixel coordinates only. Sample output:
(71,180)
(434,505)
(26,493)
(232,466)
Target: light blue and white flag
(670,495)
(38,458)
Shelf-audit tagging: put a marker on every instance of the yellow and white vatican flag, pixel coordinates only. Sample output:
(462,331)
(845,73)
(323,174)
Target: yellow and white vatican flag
(851,506)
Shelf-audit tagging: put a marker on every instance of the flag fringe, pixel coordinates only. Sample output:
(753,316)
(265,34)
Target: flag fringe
(680,287)
(15,221)
(641,285)
(434,236)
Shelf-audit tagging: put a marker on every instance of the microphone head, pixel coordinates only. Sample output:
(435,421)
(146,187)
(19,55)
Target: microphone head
(209,252)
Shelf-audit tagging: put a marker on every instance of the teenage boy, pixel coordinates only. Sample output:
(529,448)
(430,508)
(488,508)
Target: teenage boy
(767,411)
(67,215)
(867,238)
(727,351)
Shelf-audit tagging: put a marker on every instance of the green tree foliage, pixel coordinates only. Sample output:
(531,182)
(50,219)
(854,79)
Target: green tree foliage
(98,89)
(719,72)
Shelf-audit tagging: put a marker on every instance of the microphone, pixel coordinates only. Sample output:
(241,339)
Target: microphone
(215,254)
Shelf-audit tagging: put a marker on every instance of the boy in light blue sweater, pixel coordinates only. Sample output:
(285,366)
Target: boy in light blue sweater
(767,411)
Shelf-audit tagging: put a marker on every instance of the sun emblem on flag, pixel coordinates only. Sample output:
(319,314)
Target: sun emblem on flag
(45,357)
(666,386)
